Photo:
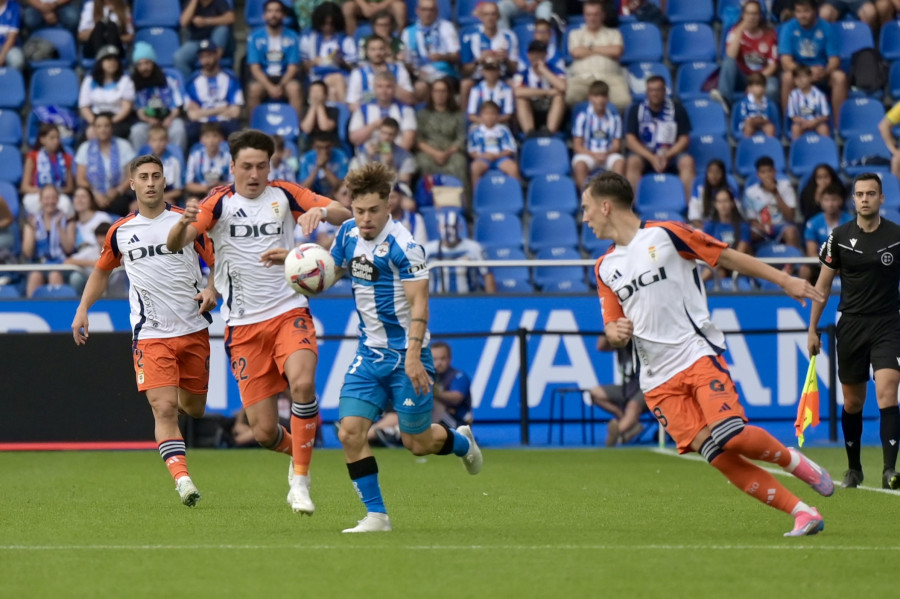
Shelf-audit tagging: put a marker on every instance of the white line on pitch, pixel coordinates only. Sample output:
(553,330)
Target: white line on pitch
(230,547)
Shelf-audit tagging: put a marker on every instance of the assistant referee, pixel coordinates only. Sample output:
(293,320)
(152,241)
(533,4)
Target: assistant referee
(866,253)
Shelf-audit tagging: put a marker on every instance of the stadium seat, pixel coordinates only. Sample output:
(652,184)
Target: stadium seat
(509,278)
(691,42)
(544,155)
(253,12)
(158,13)
(13,85)
(276,119)
(552,192)
(865,152)
(860,115)
(707,117)
(572,277)
(591,245)
(738,133)
(894,80)
(566,286)
(690,78)
(10,195)
(498,229)
(165,42)
(9,292)
(512,285)
(524,33)
(10,163)
(642,41)
(33,123)
(465,10)
(552,229)
(639,72)
(889,41)
(751,148)
(810,150)
(690,11)
(852,36)
(54,292)
(660,192)
(890,186)
(173,73)
(662,215)
(776,250)
(422,193)
(10,127)
(343,121)
(728,9)
(64,42)
(496,192)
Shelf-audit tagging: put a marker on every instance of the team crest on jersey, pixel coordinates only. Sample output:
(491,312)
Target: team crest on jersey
(276,210)
(887,258)
(363,270)
(652,251)
(382,250)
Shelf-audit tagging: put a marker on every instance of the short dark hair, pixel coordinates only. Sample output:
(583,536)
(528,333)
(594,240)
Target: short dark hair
(867,177)
(489,104)
(764,161)
(104,115)
(142,160)
(613,186)
(102,229)
(250,138)
(802,69)
(834,189)
(211,127)
(656,79)
(325,136)
(756,79)
(808,3)
(390,122)
(373,177)
(375,38)
(443,344)
(599,88)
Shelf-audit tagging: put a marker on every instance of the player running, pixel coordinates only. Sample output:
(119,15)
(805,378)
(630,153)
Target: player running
(169,313)
(393,362)
(270,337)
(678,349)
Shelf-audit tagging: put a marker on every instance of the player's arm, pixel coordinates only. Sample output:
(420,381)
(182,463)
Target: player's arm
(208,297)
(823,286)
(417,294)
(334,213)
(797,288)
(93,290)
(619,332)
(182,233)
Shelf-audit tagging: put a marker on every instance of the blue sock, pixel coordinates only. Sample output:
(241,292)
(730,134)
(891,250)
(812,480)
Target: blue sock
(460,444)
(364,475)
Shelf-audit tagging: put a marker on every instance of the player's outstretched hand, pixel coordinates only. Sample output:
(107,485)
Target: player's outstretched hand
(813,343)
(418,376)
(191,210)
(274,256)
(80,328)
(207,299)
(309,220)
(801,290)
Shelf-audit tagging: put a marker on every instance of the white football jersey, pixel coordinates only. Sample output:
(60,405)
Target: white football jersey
(241,230)
(655,282)
(163,283)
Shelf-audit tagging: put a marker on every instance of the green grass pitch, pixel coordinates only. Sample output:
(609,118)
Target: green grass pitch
(535,523)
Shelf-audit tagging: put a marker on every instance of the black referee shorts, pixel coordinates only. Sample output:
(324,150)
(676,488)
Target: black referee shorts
(865,340)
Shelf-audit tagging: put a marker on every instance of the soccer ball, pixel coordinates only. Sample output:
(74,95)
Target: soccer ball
(309,269)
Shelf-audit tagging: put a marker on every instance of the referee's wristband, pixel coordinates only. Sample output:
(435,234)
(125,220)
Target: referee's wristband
(324,212)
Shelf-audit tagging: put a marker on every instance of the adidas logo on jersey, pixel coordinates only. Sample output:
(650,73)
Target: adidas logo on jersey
(134,239)
(408,403)
(615,276)
(241,213)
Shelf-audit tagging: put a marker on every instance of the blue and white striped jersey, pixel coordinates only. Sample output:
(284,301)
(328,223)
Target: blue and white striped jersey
(598,132)
(808,106)
(377,269)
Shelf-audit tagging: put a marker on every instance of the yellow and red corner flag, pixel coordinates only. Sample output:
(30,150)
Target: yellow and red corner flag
(808,408)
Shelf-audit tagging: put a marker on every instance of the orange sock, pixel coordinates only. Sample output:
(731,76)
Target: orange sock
(757,444)
(173,454)
(284,443)
(755,481)
(304,422)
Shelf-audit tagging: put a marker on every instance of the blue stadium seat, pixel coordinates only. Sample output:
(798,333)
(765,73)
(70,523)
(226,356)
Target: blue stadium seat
(343,121)
(165,42)
(691,42)
(738,134)
(890,186)
(524,33)
(728,9)
(9,292)
(776,250)
(10,164)
(157,13)
(276,119)
(544,155)
(639,72)
(591,245)
(751,148)
(510,279)
(559,278)
(706,147)
(464,10)
(173,73)
(429,215)
(498,229)
(889,41)
(253,12)
(343,286)
(660,192)
(662,215)
(642,41)
(495,192)
(552,229)
(690,11)
(810,150)
(864,147)
(10,195)
(54,292)
(860,115)
(852,36)
(422,192)
(13,85)
(894,80)
(690,78)
(707,117)
(552,192)
(10,127)
(64,42)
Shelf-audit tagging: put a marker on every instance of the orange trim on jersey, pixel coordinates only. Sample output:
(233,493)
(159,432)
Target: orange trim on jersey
(304,199)
(610,306)
(109,258)
(208,215)
(690,243)
(202,244)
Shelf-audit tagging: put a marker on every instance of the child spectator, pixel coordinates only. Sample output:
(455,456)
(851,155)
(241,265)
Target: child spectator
(327,52)
(491,145)
(727,226)
(86,256)
(822,178)
(284,164)
(597,136)
(209,163)
(819,227)
(172,170)
(10,53)
(158,99)
(108,89)
(47,164)
(540,91)
(47,239)
(491,88)
(807,109)
(770,205)
(87,217)
(756,113)
(384,149)
(701,206)
(324,166)
(102,165)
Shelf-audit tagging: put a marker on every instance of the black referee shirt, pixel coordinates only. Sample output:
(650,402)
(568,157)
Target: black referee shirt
(869,264)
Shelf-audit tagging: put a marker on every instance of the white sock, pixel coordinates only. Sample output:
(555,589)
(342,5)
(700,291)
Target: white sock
(795,461)
(801,507)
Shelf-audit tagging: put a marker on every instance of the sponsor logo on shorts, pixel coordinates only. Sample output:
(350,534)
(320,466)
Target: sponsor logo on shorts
(725,407)
(717,386)
(408,403)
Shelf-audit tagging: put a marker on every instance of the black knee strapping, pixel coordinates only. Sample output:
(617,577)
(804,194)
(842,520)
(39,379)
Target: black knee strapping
(710,450)
(447,447)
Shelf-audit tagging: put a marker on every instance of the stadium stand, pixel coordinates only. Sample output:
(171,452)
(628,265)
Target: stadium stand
(691,77)
(808,151)
(495,192)
(64,42)
(690,11)
(552,229)
(13,85)
(493,229)
(544,156)
(751,148)
(552,192)
(660,192)
(643,43)
(691,42)
(707,117)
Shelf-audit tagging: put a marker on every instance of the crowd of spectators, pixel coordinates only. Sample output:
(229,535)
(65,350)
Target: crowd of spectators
(446,101)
